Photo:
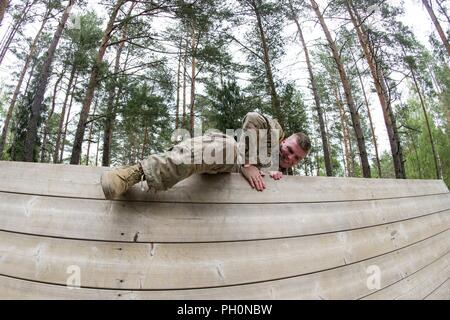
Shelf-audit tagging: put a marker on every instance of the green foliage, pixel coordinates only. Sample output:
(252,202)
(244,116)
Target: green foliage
(418,153)
(443,78)
(271,17)
(294,110)
(387,166)
(80,45)
(443,150)
(16,150)
(205,34)
(225,106)
(141,113)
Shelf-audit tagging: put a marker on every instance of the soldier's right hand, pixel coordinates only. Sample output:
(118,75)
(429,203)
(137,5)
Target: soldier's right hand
(254,177)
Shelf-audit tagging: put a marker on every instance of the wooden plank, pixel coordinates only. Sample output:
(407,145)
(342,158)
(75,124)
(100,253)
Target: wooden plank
(417,285)
(51,179)
(84,182)
(347,282)
(440,293)
(195,265)
(181,222)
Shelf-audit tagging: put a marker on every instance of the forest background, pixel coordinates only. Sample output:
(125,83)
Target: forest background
(108,82)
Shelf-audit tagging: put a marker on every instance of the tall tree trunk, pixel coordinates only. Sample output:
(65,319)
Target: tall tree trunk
(382,92)
(316,157)
(427,122)
(327,133)
(109,128)
(63,114)
(372,128)
(177,112)
(348,164)
(437,25)
(111,106)
(443,11)
(66,124)
(144,144)
(19,83)
(98,148)
(5,36)
(414,144)
(14,140)
(350,149)
(349,136)
(183,124)
(30,76)
(77,145)
(36,107)
(437,86)
(194,43)
(3,6)
(348,94)
(15,123)
(15,28)
(133,149)
(325,144)
(276,108)
(344,161)
(369,113)
(91,129)
(311,168)
(399,163)
(50,115)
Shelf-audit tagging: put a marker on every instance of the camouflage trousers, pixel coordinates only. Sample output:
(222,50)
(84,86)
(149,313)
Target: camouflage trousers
(211,154)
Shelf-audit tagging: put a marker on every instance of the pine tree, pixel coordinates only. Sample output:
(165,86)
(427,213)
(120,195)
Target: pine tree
(36,107)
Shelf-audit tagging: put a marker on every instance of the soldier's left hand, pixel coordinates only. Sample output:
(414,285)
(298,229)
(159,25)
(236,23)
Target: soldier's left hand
(277,175)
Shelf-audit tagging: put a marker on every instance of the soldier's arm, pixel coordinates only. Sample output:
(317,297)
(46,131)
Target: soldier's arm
(253,122)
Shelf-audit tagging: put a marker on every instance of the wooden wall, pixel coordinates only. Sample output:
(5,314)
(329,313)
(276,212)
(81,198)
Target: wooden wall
(213,237)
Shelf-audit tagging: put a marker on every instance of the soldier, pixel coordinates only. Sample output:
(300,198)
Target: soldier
(216,153)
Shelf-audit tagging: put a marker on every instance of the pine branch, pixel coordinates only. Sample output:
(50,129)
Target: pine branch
(247,48)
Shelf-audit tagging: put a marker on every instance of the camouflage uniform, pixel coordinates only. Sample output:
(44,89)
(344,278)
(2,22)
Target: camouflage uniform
(162,171)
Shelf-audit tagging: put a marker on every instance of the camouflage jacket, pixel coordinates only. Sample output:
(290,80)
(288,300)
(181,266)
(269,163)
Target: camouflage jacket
(258,133)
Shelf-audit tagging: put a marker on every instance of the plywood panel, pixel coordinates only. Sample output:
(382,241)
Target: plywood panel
(195,265)
(213,237)
(84,182)
(419,284)
(181,222)
(346,282)
(440,293)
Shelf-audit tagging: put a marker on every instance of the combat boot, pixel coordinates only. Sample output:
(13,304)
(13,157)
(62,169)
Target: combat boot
(118,181)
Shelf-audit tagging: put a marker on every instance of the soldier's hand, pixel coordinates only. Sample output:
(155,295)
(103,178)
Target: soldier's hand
(277,175)
(254,177)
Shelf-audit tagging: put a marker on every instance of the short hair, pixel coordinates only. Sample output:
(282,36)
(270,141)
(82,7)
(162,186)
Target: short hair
(303,141)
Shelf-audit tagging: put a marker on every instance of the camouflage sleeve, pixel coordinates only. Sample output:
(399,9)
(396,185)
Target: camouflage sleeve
(254,125)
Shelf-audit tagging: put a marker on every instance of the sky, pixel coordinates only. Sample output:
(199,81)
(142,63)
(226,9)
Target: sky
(292,67)
(415,17)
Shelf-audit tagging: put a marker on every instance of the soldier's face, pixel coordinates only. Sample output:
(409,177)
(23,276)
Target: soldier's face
(290,152)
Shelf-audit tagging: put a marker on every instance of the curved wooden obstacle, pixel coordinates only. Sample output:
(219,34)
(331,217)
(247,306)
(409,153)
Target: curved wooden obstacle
(212,237)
